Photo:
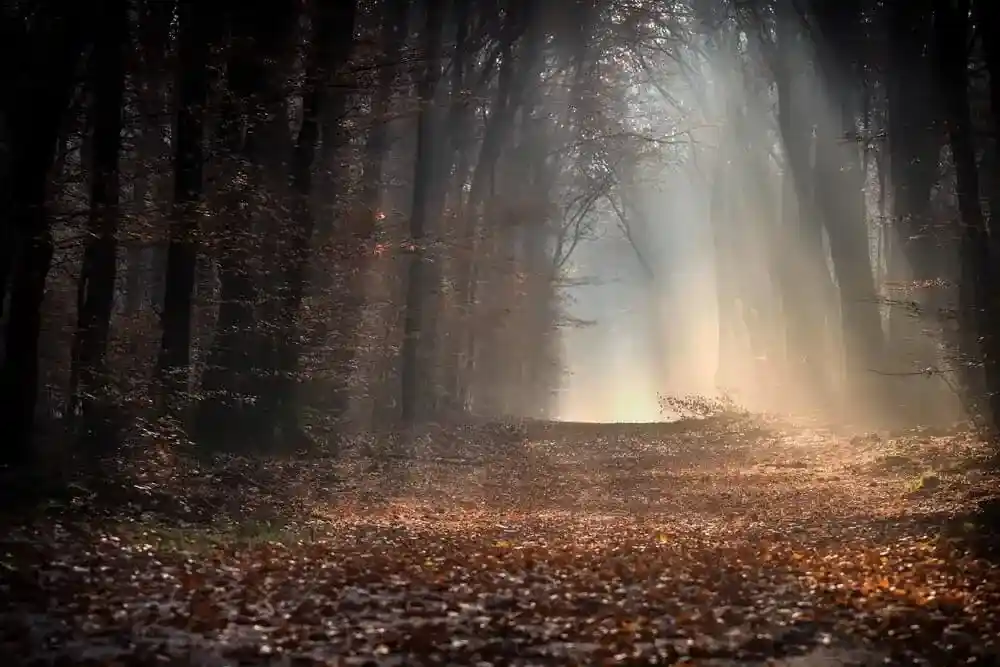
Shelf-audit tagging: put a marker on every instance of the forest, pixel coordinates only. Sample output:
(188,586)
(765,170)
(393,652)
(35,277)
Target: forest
(293,312)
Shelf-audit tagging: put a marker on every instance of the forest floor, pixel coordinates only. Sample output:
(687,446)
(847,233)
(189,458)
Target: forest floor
(715,543)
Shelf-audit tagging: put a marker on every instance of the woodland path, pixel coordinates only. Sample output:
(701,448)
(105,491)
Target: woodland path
(714,543)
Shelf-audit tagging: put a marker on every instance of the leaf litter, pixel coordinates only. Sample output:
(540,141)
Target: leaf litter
(714,543)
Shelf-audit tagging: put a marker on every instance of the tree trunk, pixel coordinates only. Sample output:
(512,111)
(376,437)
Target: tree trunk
(518,66)
(355,239)
(235,411)
(42,96)
(766,285)
(913,261)
(151,156)
(976,290)
(913,144)
(840,196)
(133,274)
(424,184)
(990,16)
(96,292)
(805,269)
(460,124)
(720,218)
(196,30)
(332,44)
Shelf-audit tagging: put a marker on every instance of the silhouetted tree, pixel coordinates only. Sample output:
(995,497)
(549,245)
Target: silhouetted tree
(96,293)
(197,30)
(40,95)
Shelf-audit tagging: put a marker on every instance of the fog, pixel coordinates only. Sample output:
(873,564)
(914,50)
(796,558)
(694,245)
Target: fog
(645,339)
(700,290)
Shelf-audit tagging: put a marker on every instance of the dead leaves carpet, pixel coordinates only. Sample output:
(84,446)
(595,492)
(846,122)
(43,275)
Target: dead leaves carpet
(635,545)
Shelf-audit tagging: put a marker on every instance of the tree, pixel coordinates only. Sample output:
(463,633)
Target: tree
(331,48)
(424,186)
(97,276)
(197,26)
(371,224)
(978,316)
(42,94)
(251,137)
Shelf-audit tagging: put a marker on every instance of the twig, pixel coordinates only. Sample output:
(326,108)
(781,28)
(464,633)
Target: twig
(927,372)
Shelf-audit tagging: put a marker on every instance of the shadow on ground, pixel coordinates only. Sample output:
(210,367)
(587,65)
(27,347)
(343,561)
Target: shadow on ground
(719,542)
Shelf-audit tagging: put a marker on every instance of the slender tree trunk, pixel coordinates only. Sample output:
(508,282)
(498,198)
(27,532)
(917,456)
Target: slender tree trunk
(990,11)
(151,154)
(391,39)
(236,410)
(976,292)
(424,185)
(913,259)
(459,126)
(96,292)
(769,286)
(134,265)
(840,196)
(841,199)
(355,240)
(43,94)
(222,418)
(453,139)
(197,25)
(14,34)
(807,335)
(332,44)
(720,218)
(517,70)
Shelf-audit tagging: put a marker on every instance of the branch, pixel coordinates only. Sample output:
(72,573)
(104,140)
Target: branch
(627,230)
(927,372)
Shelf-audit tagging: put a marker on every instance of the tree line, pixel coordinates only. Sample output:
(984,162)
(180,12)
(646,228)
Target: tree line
(253,223)
(856,164)
(256,225)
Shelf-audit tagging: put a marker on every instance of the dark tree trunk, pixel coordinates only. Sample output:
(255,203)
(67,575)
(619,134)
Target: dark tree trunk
(15,36)
(914,145)
(425,172)
(451,134)
(990,28)
(840,194)
(354,240)
(332,45)
(539,383)
(839,187)
(459,132)
(222,418)
(517,69)
(134,265)
(42,95)
(96,292)
(976,294)
(253,135)
(391,40)
(197,26)
(454,136)
(143,259)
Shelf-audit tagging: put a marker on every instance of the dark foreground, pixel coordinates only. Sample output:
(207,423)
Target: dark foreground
(714,544)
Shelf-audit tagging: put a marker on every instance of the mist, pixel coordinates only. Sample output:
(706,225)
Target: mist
(647,336)
(700,290)
(471,332)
